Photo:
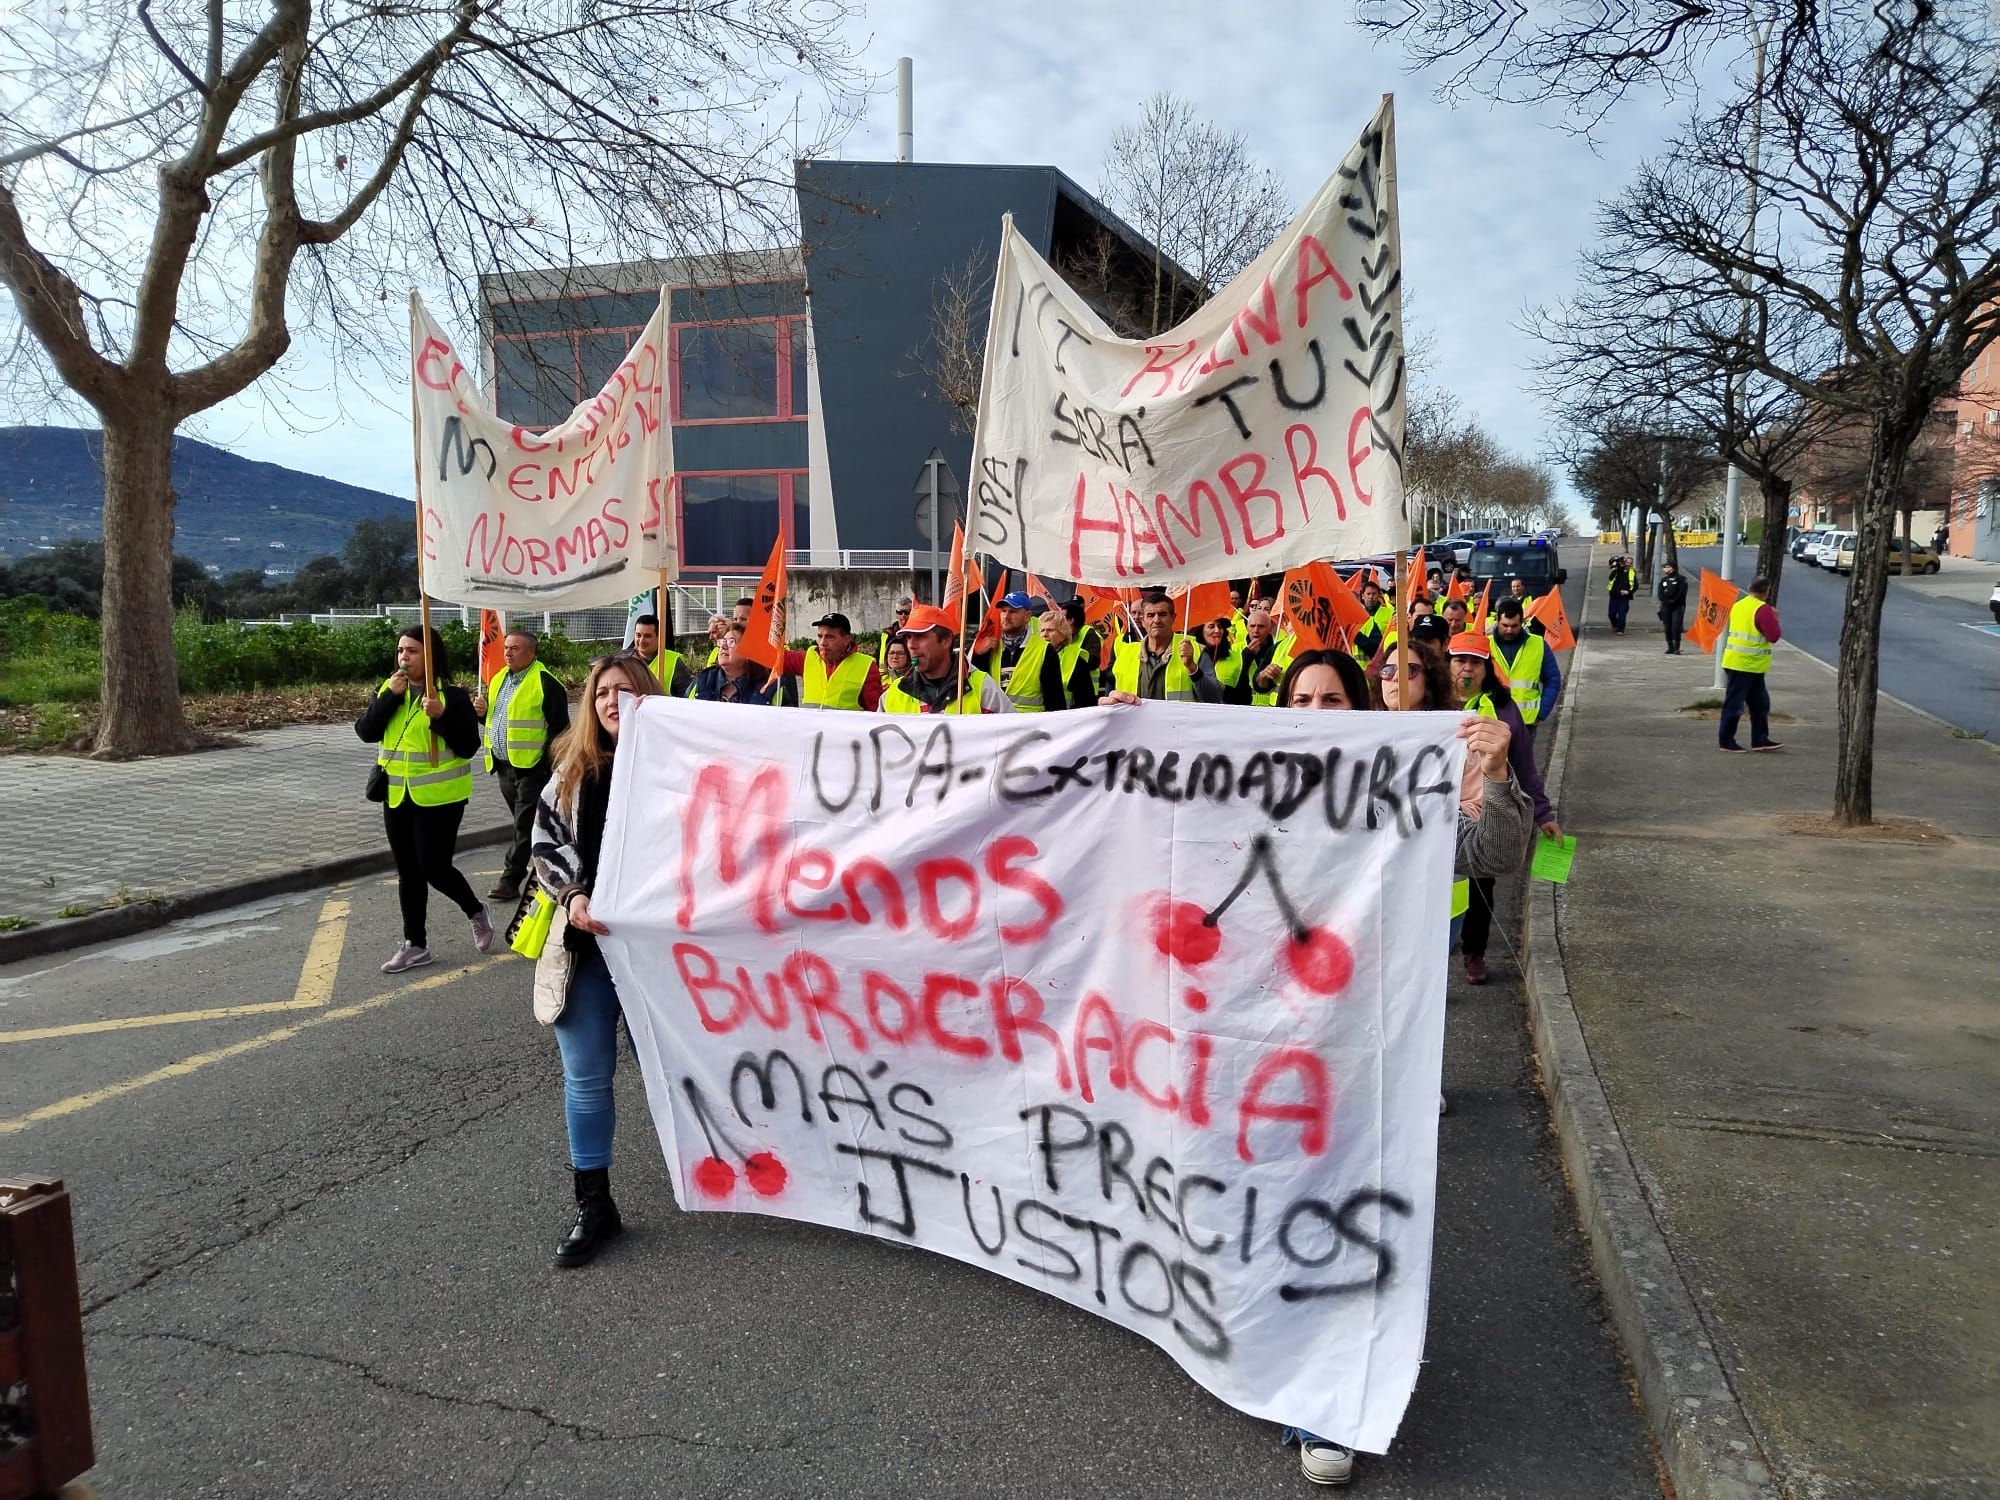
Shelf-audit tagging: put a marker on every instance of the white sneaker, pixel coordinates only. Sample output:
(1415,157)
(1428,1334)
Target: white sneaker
(1325,1463)
(409,956)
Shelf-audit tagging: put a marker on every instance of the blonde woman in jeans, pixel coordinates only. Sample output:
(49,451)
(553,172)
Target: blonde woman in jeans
(569,833)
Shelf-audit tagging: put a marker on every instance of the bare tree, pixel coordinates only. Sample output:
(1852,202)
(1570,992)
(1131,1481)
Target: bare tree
(953,358)
(179,189)
(1880,164)
(1194,191)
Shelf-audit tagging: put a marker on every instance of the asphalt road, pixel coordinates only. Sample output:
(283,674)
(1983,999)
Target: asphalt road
(1929,658)
(316,1208)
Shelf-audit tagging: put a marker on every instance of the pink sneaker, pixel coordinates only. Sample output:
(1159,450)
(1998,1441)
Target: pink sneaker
(482,932)
(409,956)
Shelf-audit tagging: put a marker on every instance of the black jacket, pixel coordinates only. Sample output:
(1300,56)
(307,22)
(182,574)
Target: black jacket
(1673,590)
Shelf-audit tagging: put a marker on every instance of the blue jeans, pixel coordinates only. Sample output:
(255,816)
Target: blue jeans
(1741,690)
(587,1036)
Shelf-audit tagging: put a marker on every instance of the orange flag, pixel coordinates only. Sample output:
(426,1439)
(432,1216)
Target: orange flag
(955,574)
(1459,588)
(1317,603)
(1036,589)
(1711,610)
(1417,581)
(989,628)
(1200,603)
(492,645)
(1477,624)
(763,637)
(1554,620)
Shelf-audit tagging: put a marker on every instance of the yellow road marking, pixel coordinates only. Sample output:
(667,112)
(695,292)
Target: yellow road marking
(202,1060)
(314,989)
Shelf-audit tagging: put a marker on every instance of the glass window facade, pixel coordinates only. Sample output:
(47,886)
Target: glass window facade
(736,377)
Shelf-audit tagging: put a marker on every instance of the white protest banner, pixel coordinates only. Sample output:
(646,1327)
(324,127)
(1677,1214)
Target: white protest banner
(1263,433)
(1100,1001)
(527,518)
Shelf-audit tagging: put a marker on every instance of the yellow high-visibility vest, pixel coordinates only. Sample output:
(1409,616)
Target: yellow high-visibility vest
(405,753)
(1024,679)
(663,669)
(840,688)
(1127,657)
(896,701)
(526,732)
(1281,659)
(1524,674)
(1744,649)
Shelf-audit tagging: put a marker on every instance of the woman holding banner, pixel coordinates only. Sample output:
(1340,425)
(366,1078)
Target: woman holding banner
(423,779)
(569,832)
(1492,839)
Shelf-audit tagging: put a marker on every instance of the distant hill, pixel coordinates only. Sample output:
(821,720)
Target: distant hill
(233,512)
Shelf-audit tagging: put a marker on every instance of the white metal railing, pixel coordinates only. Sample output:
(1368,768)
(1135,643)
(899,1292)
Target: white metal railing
(853,557)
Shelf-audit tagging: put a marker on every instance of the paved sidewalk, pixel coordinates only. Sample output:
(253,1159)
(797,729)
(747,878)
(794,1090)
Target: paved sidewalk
(1799,1040)
(1958,578)
(101,833)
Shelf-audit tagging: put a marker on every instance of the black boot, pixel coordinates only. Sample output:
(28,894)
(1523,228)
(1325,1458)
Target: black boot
(596,1219)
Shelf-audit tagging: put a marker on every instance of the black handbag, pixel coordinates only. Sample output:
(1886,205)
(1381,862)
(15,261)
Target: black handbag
(377,789)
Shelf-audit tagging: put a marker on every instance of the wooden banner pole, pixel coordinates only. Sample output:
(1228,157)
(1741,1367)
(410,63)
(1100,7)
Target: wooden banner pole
(417,488)
(1403,634)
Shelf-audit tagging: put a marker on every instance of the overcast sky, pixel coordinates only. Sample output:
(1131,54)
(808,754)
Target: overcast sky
(1497,200)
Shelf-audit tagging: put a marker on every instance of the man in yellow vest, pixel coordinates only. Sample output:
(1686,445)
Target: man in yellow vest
(902,618)
(669,668)
(1530,667)
(1746,661)
(1266,654)
(833,674)
(1162,664)
(1381,617)
(524,708)
(1017,642)
(931,684)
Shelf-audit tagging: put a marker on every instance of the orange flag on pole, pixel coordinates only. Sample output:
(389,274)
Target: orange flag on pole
(989,628)
(1417,581)
(1711,610)
(763,637)
(1477,624)
(1317,604)
(1554,619)
(492,645)
(955,574)
(1036,589)
(1201,603)
(1458,588)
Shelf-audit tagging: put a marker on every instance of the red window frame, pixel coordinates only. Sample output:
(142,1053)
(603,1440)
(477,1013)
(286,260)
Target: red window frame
(786,504)
(782,334)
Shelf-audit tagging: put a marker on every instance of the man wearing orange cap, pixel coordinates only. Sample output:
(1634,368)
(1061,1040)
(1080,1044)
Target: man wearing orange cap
(931,684)
(1481,690)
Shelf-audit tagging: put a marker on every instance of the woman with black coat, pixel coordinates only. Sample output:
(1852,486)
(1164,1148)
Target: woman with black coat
(428,733)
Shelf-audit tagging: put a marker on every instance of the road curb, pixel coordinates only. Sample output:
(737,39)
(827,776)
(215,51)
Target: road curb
(58,934)
(1707,1443)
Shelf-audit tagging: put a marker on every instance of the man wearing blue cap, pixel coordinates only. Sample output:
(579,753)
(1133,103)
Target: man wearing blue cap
(1016,663)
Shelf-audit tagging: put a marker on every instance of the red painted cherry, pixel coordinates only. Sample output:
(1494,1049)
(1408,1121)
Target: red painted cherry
(714,1177)
(1182,932)
(765,1174)
(1320,961)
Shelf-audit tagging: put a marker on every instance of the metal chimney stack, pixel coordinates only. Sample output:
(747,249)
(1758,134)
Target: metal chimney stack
(905,134)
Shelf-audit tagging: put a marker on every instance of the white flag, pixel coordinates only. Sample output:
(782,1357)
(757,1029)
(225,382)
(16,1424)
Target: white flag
(1263,433)
(526,518)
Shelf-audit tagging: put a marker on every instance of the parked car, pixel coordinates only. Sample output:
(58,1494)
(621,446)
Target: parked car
(1461,544)
(1922,559)
(1994,604)
(1807,542)
(1828,549)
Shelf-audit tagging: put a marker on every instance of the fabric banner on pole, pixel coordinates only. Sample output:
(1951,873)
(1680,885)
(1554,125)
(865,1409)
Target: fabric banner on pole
(492,644)
(1264,432)
(566,517)
(1105,1003)
(1711,611)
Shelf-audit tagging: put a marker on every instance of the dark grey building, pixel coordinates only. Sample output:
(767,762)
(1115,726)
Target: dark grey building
(799,379)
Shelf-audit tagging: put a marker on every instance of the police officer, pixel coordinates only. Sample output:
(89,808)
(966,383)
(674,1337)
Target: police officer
(524,707)
(1672,592)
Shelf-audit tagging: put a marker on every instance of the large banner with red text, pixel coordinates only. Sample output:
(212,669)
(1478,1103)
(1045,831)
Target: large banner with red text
(1100,1001)
(1265,432)
(563,517)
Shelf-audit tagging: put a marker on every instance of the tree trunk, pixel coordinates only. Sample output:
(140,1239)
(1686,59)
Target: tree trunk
(140,706)
(1644,569)
(1673,542)
(1773,550)
(1889,442)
